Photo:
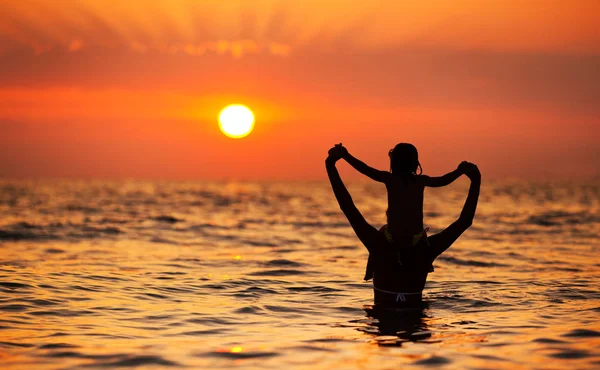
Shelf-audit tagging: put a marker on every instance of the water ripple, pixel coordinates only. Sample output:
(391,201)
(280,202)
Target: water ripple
(268,275)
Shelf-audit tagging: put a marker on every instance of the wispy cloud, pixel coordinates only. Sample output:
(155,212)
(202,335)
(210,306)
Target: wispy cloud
(240,27)
(235,48)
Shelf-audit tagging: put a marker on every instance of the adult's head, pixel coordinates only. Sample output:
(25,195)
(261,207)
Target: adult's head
(404,160)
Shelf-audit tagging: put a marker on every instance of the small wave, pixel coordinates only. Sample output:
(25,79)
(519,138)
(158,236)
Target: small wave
(57,346)
(284,309)
(103,230)
(249,309)
(171,289)
(104,278)
(24,225)
(283,262)
(312,348)
(202,332)
(309,224)
(457,261)
(156,239)
(12,235)
(343,247)
(211,321)
(13,344)
(433,361)
(259,243)
(348,309)
(14,307)
(201,227)
(318,224)
(59,334)
(258,290)
(570,354)
(316,289)
(556,218)
(107,220)
(13,285)
(24,231)
(114,309)
(156,317)
(43,302)
(582,333)
(87,288)
(548,341)
(63,313)
(490,358)
(328,340)
(241,355)
(486,282)
(81,208)
(167,219)
(153,295)
(479,303)
(114,360)
(280,272)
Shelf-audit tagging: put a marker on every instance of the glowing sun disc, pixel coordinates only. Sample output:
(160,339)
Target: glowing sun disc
(236,121)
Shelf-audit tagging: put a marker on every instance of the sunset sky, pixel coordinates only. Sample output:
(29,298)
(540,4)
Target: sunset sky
(132,89)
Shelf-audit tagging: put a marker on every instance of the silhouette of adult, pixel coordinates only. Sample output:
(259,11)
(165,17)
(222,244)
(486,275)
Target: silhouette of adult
(400,272)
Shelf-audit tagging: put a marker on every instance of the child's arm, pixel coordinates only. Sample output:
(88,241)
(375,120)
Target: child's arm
(360,166)
(447,179)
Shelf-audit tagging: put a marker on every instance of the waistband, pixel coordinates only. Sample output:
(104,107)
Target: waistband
(399,295)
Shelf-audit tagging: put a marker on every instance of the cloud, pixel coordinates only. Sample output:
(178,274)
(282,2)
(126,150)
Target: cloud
(276,26)
(235,48)
(383,79)
(75,45)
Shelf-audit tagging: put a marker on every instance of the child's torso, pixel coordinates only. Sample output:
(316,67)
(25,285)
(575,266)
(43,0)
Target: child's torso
(405,206)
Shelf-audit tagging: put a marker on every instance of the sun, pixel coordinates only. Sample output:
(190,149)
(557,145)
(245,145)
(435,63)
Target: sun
(236,121)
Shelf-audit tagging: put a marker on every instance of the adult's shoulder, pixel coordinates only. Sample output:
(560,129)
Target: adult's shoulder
(422,180)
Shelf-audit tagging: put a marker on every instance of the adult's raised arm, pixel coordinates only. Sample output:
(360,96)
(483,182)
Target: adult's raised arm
(367,234)
(442,241)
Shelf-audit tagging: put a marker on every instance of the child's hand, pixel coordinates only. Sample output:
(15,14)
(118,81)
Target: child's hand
(335,153)
(342,149)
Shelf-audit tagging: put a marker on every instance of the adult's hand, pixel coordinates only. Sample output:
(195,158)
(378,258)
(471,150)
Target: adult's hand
(343,151)
(471,170)
(443,240)
(336,153)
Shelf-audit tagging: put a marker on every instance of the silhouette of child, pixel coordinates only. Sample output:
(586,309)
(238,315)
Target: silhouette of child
(405,189)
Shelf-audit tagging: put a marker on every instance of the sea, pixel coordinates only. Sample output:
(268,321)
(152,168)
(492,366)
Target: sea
(268,275)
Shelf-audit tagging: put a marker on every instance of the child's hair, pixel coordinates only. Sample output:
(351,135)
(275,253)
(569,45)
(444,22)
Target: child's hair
(404,160)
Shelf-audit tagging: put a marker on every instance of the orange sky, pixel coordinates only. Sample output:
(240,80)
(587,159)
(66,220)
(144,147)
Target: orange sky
(102,88)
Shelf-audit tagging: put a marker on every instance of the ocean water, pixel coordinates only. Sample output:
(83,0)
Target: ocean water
(240,275)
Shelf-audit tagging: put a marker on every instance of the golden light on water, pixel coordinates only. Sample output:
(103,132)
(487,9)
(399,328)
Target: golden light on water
(236,121)
(181,296)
